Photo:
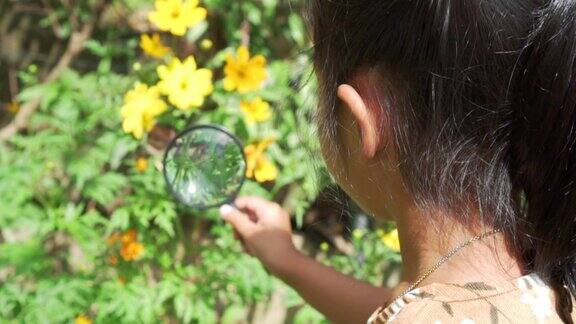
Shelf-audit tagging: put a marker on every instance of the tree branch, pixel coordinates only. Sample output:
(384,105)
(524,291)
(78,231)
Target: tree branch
(74,47)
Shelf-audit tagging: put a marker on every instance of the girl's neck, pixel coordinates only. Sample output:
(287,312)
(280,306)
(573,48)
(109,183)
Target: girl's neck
(424,243)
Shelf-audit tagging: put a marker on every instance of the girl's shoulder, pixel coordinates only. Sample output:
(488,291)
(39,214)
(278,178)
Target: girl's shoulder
(523,300)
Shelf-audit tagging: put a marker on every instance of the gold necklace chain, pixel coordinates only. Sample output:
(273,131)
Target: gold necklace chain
(445,258)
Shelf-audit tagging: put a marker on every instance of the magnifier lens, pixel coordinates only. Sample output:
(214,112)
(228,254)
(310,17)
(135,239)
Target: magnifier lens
(205,167)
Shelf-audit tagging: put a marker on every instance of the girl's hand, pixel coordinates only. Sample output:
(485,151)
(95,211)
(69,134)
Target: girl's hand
(264,229)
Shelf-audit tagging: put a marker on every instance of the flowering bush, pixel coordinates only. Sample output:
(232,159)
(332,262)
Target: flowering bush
(89,232)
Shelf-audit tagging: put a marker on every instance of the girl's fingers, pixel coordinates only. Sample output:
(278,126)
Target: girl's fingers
(239,238)
(259,207)
(237,235)
(237,219)
(253,204)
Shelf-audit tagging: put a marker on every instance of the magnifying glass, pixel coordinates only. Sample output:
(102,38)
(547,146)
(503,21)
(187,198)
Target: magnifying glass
(205,167)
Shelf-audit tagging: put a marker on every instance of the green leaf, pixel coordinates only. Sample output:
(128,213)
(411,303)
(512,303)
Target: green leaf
(106,188)
(183,307)
(234,314)
(297,29)
(196,32)
(120,220)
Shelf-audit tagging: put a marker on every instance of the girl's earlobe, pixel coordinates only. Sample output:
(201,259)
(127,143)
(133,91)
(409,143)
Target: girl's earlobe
(367,122)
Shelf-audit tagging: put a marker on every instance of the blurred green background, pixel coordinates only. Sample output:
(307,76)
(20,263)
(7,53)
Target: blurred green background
(91,93)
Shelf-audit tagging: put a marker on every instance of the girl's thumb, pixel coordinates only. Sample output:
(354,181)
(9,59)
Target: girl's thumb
(237,219)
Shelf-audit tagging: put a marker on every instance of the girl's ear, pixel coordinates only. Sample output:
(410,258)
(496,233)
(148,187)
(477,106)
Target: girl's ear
(367,121)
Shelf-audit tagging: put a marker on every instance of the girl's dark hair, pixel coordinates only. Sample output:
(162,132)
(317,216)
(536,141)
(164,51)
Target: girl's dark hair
(482,98)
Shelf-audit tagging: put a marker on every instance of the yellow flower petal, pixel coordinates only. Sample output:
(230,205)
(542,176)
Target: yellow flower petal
(133,125)
(265,170)
(256,110)
(258,61)
(263,145)
(196,15)
(176,16)
(230,84)
(162,71)
(257,165)
(391,240)
(243,54)
(251,158)
(153,46)
(189,63)
(82,319)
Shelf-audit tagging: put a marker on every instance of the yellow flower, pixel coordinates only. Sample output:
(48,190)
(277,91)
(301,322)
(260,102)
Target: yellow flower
(131,251)
(153,46)
(141,164)
(176,16)
(82,319)
(184,84)
(256,110)
(244,73)
(257,165)
(206,44)
(13,107)
(141,107)
(391,240)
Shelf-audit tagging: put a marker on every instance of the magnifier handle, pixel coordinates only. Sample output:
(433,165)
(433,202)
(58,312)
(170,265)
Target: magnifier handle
(233,204)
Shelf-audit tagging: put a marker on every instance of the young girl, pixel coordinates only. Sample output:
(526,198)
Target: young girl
(457,120)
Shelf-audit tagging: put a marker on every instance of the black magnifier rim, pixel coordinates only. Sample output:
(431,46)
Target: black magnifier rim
(173,144)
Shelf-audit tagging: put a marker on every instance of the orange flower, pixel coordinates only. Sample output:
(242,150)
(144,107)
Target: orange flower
(113,260)
(113,238)
(258,166)
(129,236)
(141,164)
(131,251)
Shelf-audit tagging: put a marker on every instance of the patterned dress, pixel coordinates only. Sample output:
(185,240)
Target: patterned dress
(524,300)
